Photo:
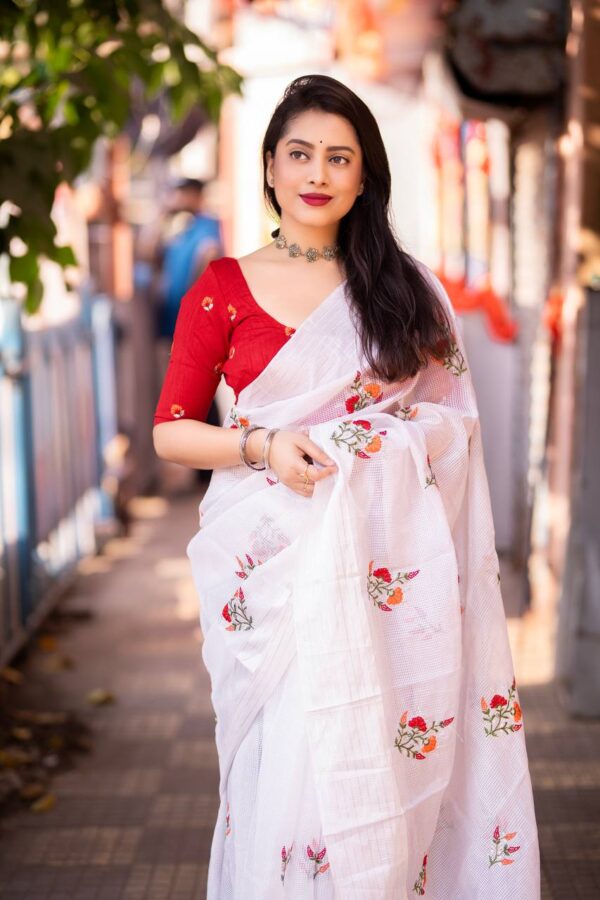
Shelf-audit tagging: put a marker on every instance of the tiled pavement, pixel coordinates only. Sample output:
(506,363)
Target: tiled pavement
(133,820)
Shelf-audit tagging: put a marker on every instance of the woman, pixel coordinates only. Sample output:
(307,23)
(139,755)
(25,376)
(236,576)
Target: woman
(368,725)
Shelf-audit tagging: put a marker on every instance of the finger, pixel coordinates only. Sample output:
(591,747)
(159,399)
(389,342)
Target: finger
(315,452)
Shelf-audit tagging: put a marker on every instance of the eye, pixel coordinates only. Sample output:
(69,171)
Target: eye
(297,151)
(341,157)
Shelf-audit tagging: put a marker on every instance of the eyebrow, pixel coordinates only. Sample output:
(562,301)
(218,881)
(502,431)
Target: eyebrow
(308,144)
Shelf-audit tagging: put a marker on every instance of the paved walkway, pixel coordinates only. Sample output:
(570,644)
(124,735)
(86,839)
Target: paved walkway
(133,820)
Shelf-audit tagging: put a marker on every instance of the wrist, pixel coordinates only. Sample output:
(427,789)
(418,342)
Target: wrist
(254,445)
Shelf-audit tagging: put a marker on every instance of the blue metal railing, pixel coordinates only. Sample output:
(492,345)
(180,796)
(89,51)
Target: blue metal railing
(57,415)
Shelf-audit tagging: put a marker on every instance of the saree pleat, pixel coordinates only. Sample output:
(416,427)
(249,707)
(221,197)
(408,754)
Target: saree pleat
(369,733)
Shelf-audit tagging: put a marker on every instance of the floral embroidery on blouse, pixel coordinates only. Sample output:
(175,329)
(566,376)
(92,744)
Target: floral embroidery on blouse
(286,855)
(431,479)
(235,613)
(207,303)
(407,412)
(502,849)
(358,437)
(177,411)
(362,395)
(231,352)
(317,856)
(289,330)
(447,353)
(384,590)
(416,738)
(419,885)
(498,713)
(232,311)
(219,367)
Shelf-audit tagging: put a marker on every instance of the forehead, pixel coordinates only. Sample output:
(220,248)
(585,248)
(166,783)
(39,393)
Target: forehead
(315,125)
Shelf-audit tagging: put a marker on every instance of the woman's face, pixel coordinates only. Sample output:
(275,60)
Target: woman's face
(318,153)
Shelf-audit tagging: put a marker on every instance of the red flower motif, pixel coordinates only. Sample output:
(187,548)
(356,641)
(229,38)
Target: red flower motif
(383,573)
(362,422)
(497,700)
(516,727)
(497,833)
(310,852)
(447,722)
(418,722)
(351,403)
(513,849)
(419,756)
(363,455)
(225,613)
(412,574)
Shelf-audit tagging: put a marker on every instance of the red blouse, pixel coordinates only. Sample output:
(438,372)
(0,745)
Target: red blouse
(220,329)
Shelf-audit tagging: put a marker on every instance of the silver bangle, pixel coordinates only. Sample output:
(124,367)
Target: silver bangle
(243,441)
(267,445)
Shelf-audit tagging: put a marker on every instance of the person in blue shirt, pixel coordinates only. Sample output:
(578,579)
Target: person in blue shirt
(187,253)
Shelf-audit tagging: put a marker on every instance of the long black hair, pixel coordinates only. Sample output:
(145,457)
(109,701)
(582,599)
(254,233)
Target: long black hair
(401,320)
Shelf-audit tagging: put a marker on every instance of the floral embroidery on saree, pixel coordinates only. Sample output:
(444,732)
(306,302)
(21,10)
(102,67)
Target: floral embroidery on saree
(431,479)
(384,590)
(235,613)
(246,567)
(177,411)
(498,712)
(415,738)
(207,303)
(448,353)
(419,885)
(238,421)
(316,856)
(407,412)
(502,849)
(232,311)
(362,395)
(358,437)
(286,855)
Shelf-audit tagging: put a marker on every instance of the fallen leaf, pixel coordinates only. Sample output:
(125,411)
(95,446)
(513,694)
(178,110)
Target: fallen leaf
(46,802)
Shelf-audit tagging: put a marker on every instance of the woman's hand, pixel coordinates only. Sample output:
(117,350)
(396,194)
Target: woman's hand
(288,455)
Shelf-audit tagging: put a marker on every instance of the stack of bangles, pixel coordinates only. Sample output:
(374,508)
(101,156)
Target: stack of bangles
(266,448)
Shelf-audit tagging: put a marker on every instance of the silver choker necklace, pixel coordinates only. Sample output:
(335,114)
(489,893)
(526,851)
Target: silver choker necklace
(312,254)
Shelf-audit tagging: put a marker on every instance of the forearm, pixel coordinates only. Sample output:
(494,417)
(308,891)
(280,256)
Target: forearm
(203,446)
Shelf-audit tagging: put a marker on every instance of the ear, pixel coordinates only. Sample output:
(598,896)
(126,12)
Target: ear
(269,172)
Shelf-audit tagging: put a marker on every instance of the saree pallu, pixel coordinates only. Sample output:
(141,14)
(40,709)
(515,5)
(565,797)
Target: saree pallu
(368,725)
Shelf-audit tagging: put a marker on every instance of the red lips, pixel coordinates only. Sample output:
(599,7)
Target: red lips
(316,199)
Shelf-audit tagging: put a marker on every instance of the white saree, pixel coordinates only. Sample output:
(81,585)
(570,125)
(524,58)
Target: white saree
(368,726)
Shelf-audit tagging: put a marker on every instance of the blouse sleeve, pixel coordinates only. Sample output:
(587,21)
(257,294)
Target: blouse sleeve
(199,349)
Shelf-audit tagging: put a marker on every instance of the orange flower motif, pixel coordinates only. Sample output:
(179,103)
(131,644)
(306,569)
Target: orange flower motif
(507,862)
(397,597)
(374,445)
(244,422)
(430,744)
(232,311)
(177,411)
(518,713)
(207,303)
(289,330)
(510,835)
(373,390)
(404,717)
(484,706)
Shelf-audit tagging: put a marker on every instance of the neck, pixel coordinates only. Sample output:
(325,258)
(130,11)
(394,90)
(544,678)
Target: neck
(308,235)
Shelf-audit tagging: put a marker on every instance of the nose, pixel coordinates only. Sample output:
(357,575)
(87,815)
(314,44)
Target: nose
(319,171)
